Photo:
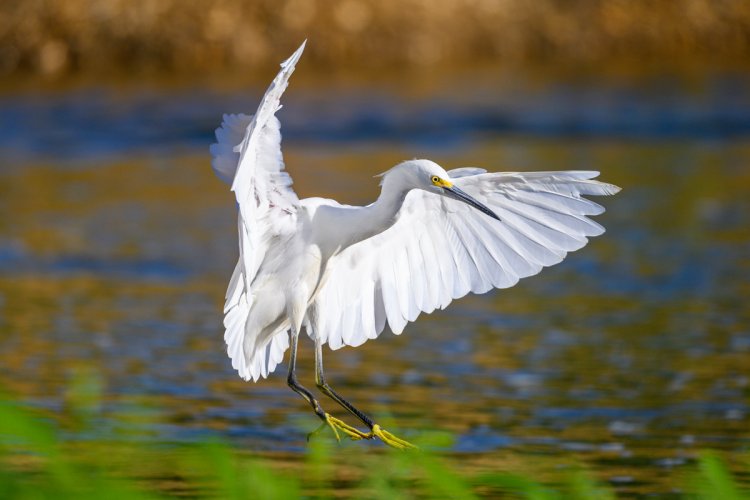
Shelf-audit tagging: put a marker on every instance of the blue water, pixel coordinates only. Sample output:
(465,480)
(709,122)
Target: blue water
(99,122)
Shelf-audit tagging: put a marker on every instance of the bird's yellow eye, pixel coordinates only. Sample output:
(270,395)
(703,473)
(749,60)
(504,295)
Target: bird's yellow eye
(435,179)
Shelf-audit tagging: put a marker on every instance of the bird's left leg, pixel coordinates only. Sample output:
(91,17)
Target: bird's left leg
(327,419)
(375,429)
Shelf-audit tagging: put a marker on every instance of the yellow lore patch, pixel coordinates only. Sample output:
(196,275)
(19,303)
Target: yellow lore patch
(441,182)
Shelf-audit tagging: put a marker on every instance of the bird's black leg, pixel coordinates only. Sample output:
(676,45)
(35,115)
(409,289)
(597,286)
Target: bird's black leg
(375,429)
(334,423)
(292,376)
(320,381)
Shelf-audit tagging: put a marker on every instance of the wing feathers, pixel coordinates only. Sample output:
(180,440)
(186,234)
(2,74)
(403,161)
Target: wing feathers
(247,155)
(570,225)
(440,249)
(223,157)
(432,274)
(390,297)
(461,261)
(367,309)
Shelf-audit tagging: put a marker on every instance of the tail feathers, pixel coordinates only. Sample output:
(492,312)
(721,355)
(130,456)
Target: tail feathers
(235,320)
(266,358)
(250,360)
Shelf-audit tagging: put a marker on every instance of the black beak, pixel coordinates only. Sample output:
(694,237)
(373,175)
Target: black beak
(459,194)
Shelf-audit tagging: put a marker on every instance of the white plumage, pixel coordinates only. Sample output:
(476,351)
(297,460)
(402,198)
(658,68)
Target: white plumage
(440,249)
(346,272)
(247,154)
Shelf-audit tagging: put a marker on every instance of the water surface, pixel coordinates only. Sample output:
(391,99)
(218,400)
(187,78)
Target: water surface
(116,243)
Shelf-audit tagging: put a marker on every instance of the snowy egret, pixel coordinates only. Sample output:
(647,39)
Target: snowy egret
(344,272)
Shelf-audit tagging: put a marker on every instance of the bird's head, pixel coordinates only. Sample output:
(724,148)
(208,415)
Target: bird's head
(429,176)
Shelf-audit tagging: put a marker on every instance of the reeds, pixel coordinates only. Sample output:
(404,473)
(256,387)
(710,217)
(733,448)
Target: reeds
(36,463)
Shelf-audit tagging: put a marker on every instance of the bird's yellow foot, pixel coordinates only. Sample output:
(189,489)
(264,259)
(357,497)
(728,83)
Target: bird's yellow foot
(355,434)
(337,425)
(389,439)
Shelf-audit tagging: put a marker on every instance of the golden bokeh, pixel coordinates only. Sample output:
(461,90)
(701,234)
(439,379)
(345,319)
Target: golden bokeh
(72,36)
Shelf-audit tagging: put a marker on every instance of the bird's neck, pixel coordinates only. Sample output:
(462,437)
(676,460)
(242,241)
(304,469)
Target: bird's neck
(365,222)
(384,211)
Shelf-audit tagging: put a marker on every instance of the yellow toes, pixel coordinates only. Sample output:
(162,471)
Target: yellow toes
(330,424)
(337,425)
(390,439)
(354,433)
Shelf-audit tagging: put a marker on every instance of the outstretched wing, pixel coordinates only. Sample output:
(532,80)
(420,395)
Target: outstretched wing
(247,154)
(441,249)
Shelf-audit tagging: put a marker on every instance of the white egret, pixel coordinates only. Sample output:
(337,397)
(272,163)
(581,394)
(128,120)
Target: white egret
(344,272)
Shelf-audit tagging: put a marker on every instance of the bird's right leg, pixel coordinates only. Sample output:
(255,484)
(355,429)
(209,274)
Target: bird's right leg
(375,429)
(332,422)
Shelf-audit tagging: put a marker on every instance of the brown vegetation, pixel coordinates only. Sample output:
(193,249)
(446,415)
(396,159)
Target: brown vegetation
(53,36)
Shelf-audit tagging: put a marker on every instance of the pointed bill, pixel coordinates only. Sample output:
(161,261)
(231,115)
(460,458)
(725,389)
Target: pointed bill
(461,195)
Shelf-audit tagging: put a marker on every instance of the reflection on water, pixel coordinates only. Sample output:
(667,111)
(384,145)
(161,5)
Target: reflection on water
(116,244)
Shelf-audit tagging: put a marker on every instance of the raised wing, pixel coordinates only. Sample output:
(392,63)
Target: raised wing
(247,154)
(441,249)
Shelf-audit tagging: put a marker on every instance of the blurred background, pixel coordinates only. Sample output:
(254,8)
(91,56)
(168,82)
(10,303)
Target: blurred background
(116,241)
(73,36)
